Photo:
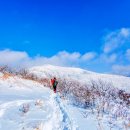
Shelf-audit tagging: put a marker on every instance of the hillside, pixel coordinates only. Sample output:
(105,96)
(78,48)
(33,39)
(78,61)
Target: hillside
(81,75)
(29,105)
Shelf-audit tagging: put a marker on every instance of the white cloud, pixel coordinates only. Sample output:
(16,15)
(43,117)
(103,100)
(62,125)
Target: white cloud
(88,56)
(120,69)
(108,58)
(69,56)
(112,58)
(114,51)
(116,39)
(9,57)
(63,58)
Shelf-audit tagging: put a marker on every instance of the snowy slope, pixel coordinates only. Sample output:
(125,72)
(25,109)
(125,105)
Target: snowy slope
(81,75)
(44,109)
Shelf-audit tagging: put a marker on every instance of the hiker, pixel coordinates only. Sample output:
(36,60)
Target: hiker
(54,83)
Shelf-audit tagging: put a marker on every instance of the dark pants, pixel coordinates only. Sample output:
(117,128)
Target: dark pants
(54,88)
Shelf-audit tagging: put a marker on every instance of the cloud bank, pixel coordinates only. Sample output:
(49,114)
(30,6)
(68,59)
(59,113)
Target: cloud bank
(116,39)
(63,58)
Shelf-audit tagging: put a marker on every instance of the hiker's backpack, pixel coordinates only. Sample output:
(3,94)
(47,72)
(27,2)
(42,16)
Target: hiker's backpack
(55,83)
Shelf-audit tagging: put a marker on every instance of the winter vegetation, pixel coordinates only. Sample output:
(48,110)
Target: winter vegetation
(100,99)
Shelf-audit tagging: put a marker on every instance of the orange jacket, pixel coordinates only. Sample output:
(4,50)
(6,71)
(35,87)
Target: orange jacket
(52,81)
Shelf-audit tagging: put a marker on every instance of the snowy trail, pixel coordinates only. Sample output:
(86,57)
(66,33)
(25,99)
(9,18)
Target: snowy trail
(66,121)
(60,119)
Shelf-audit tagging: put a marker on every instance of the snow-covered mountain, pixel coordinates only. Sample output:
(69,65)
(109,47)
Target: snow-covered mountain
(81,75)
(28,105)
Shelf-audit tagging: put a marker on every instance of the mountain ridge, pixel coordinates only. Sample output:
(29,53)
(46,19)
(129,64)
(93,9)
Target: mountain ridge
(80,75)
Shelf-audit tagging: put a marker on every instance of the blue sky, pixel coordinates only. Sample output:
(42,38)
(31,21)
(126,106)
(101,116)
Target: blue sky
(46,29)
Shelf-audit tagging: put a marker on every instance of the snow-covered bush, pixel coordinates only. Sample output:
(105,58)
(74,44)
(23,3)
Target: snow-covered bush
(25,108)
(39,102)
(6,69)
(99,97)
